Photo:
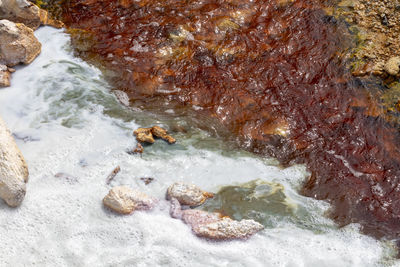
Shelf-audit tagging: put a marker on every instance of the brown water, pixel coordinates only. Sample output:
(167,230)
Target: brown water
(271,75)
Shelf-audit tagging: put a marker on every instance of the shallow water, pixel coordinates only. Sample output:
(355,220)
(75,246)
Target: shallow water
(59,109)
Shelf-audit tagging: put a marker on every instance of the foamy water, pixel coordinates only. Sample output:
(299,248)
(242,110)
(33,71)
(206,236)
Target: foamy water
(56,108)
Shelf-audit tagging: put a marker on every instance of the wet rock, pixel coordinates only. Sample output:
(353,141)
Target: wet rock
(124,200)
(122,97)
(13,169)
(226,229)
(23,11)
(187,194)
(213,225)
(144,135)
(17,44)
(4,76)
(392,66)
(163,134)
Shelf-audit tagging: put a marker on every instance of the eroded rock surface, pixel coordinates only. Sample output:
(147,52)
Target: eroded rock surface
(17,44)
(13,169)
(4,76)
(187,194)
(213,225)
(124,200)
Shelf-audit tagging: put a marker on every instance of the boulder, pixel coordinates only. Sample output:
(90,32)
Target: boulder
(23,11)
(4,76)
(17,44)
(13,169)
(188,194)
(124,200)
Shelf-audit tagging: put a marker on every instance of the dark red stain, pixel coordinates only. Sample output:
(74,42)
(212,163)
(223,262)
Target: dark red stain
(277,66)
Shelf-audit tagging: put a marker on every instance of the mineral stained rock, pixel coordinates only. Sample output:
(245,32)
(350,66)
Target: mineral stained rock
(124,200)
(213,225)
(187,194)
(4,76)
(13,169)
(23,11)
(17,44)
(270,76)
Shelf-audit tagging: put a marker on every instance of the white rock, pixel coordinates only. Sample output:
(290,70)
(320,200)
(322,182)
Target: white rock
(13,169)
(227,229)
(187,194)
(213,225)
(17,44)
(124,200)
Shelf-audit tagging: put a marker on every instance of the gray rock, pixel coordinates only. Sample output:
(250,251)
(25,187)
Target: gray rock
(13,169)
(17,44)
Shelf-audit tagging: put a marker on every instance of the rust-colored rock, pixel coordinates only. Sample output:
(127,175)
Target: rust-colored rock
(271,76)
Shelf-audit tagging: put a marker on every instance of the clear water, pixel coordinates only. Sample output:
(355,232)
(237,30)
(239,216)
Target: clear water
(66,121)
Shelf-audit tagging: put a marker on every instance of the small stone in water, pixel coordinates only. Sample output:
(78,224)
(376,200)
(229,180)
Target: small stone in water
(144,135)
(162,133)
(124,200)
(188,194)
(147,180)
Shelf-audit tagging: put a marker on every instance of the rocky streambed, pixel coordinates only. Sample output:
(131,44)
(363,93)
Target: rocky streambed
(196,69)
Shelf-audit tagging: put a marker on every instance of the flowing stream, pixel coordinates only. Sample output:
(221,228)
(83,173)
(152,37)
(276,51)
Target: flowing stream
(73,132)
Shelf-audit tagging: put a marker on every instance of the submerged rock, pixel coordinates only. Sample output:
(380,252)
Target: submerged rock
(17,44)
(4,76)
(124,200)
(213,225)
(23,11)
(188,194)
(13,169)
(144,135)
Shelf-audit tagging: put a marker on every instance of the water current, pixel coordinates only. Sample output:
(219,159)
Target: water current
(73,132)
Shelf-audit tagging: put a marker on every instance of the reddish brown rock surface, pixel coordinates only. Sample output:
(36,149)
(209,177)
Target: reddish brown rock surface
(271,75)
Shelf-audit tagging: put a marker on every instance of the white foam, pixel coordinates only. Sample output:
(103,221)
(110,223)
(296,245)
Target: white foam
(62,221)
